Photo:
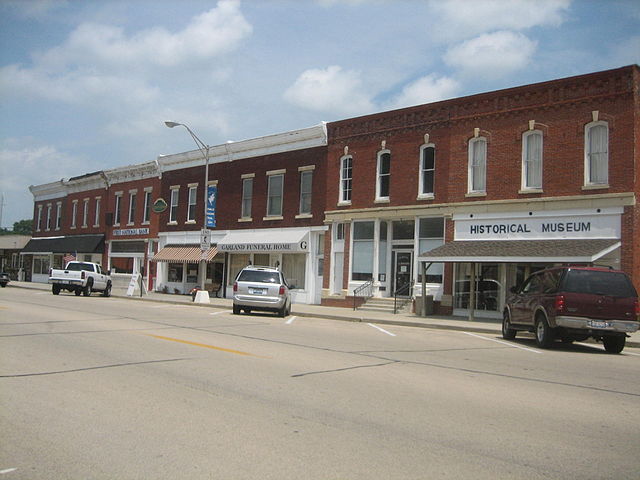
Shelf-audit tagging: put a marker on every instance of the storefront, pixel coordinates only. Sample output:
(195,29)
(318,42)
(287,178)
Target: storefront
(178,268)
(55,252)
(298,252)
(493,252)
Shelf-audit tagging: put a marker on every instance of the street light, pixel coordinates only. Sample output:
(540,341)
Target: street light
(205,238)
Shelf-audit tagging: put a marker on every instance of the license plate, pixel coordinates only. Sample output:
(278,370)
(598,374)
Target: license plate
(594,324)
(256,291)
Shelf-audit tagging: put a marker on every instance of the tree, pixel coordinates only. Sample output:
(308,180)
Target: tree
(21,227)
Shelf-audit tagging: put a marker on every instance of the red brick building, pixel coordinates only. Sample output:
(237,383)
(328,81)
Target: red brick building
(499,184)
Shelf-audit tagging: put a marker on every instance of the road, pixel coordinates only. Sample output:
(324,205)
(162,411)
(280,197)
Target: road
(109,388)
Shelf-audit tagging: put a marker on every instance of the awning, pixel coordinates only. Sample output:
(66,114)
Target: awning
(521,251)
(266,241)
(183,253)
(71,244)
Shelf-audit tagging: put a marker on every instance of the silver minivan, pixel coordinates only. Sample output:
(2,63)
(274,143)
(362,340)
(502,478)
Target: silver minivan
(261,288)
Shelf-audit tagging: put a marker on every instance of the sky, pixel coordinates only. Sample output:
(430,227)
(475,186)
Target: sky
(86,85)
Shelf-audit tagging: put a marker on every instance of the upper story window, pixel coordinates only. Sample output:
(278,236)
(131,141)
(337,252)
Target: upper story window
(58,215)
(74,213)
(306,183)
(532,160)
(146,218)
(247,196)
(116,218)
(48,217)
(133,196)
(477,175)
(383,175)
(346,172)
(191,211)
(173,206)
(275,192)
(85,212)
(596,158)
(427,171)
(97,219)
(39,218)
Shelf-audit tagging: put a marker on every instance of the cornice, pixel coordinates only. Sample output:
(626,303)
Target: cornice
(293,140)
(131,173)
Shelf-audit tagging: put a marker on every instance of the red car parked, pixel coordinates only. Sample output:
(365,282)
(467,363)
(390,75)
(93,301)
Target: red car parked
(573,304)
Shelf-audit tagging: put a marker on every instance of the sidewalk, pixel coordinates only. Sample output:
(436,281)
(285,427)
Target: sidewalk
(331,313)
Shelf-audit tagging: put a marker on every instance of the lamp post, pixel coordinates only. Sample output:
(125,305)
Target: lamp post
(205,238)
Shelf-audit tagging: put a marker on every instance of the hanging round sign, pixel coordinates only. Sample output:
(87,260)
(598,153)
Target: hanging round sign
(160,205)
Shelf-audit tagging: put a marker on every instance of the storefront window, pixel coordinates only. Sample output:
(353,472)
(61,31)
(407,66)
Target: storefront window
(293,268)
(363,250)
(40,265)
(431,235)
(175,272)
(488,287)
(403,230)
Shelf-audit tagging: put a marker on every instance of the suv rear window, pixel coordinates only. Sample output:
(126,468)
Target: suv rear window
(258,276)
(613,284)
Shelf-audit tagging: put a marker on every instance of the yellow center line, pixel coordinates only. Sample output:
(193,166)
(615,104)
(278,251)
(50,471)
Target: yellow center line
(204,345)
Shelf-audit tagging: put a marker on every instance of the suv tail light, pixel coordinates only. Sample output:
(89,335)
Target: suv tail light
(559,304)
(235,286)
(281,292)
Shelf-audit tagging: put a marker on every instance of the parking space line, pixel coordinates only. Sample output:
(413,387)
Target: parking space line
(381,329)
(597,346)
(290,321)
(218,313)
(503,343)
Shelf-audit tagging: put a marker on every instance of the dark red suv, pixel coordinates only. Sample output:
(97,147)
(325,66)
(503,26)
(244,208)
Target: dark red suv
(573,304)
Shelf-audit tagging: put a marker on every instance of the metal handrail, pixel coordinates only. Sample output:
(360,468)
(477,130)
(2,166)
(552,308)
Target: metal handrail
(366,287)
(401,291)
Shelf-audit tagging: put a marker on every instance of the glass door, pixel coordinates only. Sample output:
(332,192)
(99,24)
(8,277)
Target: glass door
(402,272)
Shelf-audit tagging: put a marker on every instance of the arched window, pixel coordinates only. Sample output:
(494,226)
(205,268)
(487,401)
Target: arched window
(532,160)
(596,154)
(427,171)
(477,182)
(383,175)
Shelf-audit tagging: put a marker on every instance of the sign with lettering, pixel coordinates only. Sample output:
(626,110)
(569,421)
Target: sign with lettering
(538,225)
(212,195)
(130,231)
(159,206)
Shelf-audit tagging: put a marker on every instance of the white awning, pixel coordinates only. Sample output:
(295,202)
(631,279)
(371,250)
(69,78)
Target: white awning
(266,241)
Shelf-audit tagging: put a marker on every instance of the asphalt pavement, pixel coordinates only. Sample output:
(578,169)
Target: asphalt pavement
(406,319)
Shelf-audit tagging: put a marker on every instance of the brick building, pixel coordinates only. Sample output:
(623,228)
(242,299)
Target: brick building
(499,184)
(269,210)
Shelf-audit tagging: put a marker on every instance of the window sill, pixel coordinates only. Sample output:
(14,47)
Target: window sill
(344,204)
(190,222)
(96,225)
(143,223)
(425,196)
(530,190)
(72,228)
(305,215)
(266,219)
(476,194)
(382,200)
(130,224)
(595,187)
(245,219)
(172,223)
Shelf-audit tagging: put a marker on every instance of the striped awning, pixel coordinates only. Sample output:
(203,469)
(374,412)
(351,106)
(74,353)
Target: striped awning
(183,253)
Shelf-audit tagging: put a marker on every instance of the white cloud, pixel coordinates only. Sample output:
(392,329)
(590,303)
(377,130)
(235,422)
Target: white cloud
(215,32)
(427,89)
(491,55)
(330,90)
(22,164)
(465,18)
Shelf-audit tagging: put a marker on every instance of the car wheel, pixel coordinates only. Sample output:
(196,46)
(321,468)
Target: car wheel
(78,292)
(247,311)
(282,312)
(55,289)
(544,333)
(614,344)
(508,333)
(87,290)
(107,291)
(236,310)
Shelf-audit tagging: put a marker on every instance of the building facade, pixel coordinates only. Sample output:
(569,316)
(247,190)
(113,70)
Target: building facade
(485,189)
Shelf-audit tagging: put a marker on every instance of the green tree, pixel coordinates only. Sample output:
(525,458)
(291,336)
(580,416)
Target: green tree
(21,227)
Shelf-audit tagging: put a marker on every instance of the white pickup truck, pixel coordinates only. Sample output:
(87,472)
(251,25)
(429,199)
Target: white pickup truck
(80,277)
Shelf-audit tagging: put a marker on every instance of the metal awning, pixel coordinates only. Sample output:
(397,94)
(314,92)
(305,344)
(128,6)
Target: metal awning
(67,244)
(266,241)
(521,251)
(183,253)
